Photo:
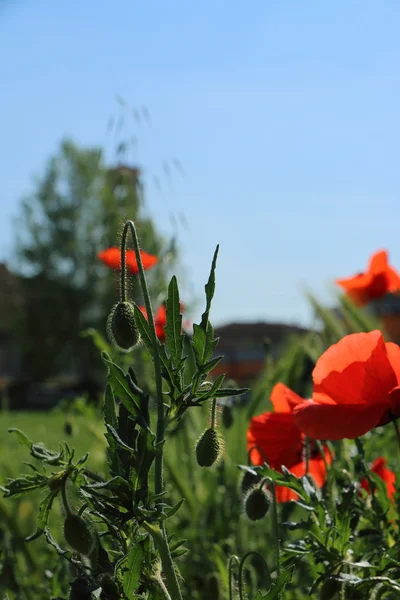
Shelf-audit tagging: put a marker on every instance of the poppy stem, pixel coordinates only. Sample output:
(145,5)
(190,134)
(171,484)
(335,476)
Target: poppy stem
(122,276)
(232,559)
(241,565)
(214,413)
(397,430)
(276,527)
(160,536)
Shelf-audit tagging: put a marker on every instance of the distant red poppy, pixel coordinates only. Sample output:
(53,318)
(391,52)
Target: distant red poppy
(160,320)
(379,280)
(279,441)
(379,467)
(112,258)
(356,388)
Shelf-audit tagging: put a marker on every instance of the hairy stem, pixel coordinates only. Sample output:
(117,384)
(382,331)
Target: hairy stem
(276,527)
(160,540)
(159,533)
(129,226)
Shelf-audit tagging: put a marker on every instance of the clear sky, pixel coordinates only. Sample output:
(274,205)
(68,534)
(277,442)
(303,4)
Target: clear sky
(284,115)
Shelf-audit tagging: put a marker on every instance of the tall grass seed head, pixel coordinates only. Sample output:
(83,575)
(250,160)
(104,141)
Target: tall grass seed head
(257,502)
(121,326)
(209,447)
(78,535)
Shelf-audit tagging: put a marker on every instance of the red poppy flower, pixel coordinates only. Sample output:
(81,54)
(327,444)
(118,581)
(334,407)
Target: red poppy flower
(356,388)
(279,441)
(160,320)
(112,258)
(377,281)
(379,467)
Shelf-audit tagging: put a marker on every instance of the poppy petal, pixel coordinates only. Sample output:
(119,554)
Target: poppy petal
(355,370)
(378,262)
(357,287)
(316,468)
(283,398)
(112,258)
(323,421)
(393,354)
(379,468)
(277,437)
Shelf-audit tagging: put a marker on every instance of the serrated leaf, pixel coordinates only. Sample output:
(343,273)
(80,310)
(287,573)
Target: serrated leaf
(110,415)
(279,586)
(120,386)
(203,341)
(23,485)
(144,329)
(43,516)
(210,285)
(22,437)
(173,328)
(132,572)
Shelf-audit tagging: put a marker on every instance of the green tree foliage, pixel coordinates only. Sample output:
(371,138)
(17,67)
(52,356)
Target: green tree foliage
(74,211)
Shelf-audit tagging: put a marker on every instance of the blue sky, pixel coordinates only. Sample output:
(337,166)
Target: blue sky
(284,115)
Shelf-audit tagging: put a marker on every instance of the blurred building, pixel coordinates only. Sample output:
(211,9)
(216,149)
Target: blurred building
(244,347)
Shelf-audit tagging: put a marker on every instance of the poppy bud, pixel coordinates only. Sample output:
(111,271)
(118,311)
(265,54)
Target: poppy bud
(209,447)
(121,326)
(257,503)
(329,589)
(77,534)
(109,588)
(248,480)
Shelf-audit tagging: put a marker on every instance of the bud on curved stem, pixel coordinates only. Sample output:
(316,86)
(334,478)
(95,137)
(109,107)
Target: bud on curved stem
(159,534)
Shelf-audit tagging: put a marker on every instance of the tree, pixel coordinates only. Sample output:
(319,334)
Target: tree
(76,210)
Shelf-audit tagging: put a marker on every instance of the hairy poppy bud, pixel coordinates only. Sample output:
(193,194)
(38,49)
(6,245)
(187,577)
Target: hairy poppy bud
(209,447)
(109,588)
(121,326)
(77,534)
(249,480)
(257,503)
(329,589)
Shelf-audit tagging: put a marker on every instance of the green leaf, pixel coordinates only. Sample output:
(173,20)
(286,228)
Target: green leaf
(144,329)
(172,511)
(210,285)
(43,516)
(279,586)
(173,329)
(24,484)
(22,438)
(110,415)
(133,567)
(120,386)
(203,340)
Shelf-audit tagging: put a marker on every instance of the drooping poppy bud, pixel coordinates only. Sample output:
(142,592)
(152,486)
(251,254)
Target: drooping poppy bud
(257,503)
(121,326)
(209,447)
(78,534)
(248,481)
(109,588)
